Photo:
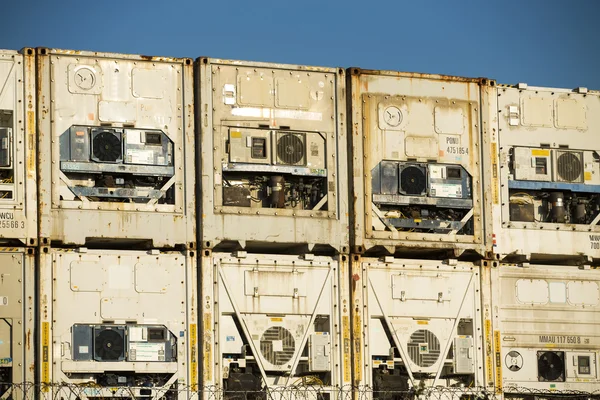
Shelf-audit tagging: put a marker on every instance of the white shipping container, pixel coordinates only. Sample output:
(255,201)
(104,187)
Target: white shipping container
(416,163)
(416,325)
(545,321)
(273,164)
(275,322)
(18,176)
(116,137)
(17,322)
(117,323)
(543,173)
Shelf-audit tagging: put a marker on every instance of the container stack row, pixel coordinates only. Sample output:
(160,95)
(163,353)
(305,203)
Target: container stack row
(217,228)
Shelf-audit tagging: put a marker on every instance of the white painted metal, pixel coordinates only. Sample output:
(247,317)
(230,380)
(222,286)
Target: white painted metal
(147,297)
(415,156)
(17,321)
(275,322)
(546,322)
(245,112)
(417,324)
(18,205)
(543,142)
(116,136)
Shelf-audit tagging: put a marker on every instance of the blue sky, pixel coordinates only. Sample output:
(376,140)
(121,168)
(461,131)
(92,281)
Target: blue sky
(540,42)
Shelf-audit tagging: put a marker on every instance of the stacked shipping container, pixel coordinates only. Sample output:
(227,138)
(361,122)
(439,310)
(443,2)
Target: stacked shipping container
(379,232)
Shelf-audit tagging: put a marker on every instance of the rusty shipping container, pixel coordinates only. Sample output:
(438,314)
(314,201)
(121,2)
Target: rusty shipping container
(117,323)
(542,168)
(273,162)
(18,177)
(416,163)
(116,145)
(275,322)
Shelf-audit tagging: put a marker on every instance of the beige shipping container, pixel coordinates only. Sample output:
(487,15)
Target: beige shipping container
(272,163)
(416,163)
(18,177)
(116,149)
(117,324)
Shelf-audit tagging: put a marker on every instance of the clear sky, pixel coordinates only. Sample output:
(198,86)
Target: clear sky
(540,42)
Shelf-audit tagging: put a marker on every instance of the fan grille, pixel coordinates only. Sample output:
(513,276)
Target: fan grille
(412,180)
(551,365)
(569,167)
(290,149)
(107,147)
(109,345)
(424,357)
(277,353)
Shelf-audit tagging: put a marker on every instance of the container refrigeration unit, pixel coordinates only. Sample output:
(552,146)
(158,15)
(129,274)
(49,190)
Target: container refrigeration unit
(546,321)
(543,168)
(275,323)
(416,326)
(415,162)
(117,324)
(116,136)
(273,162)
(18,206)
(17,323)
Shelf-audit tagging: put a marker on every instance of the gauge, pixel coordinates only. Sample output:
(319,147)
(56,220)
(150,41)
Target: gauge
(392,116)
(85,78)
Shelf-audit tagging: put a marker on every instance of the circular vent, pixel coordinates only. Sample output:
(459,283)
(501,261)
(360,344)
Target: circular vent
(106,147)
(569,167)
(424,348)
(108,345)
(551,366)
(290,149)
(412,180)
(277,345)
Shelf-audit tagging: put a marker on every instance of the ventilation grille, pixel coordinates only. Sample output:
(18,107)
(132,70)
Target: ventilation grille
(551,366)
(569,166)
(413,180)
(109,344)
(291,149)
(277,345)
(106,147)
(424,348)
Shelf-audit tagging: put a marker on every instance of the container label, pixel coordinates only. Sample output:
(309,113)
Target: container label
(563,339)
(498,362)
(494,158)
(489,366)
(347,347)
(194,356)
(45,355)
(207,329)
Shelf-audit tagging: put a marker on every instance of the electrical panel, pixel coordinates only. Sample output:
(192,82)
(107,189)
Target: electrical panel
(319,349)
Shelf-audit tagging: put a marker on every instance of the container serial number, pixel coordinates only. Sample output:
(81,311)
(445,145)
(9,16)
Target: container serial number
(12,224)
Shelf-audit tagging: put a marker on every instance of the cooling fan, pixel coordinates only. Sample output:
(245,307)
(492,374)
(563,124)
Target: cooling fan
(277,345)
(107,146)
(291,149)
(109,344)
(424,348)
(551,366)
(413,180)
(569,166)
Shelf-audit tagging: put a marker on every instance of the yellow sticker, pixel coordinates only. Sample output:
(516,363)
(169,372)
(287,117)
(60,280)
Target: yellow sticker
(207,356)
(346,348)
(236,134)
(488,351)
(358,348)
(277,319)
(587,175)
(540,152)
(495,185)
(498,362)
(45,354)
(194,356)
(422,322)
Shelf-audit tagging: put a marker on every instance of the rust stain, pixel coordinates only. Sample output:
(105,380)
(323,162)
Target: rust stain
(28,339)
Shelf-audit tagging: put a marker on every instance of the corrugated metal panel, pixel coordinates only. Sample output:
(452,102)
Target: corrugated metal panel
(415,162)
(273,164)
(545,174)
(116,139)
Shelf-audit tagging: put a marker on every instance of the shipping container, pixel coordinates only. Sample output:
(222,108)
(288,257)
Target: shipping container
(275,323)
(545,320)
(416,163)
(273,158)
(17,322)
(18,206)
(543,168)
(116,149)
(416,326)
(117,324)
